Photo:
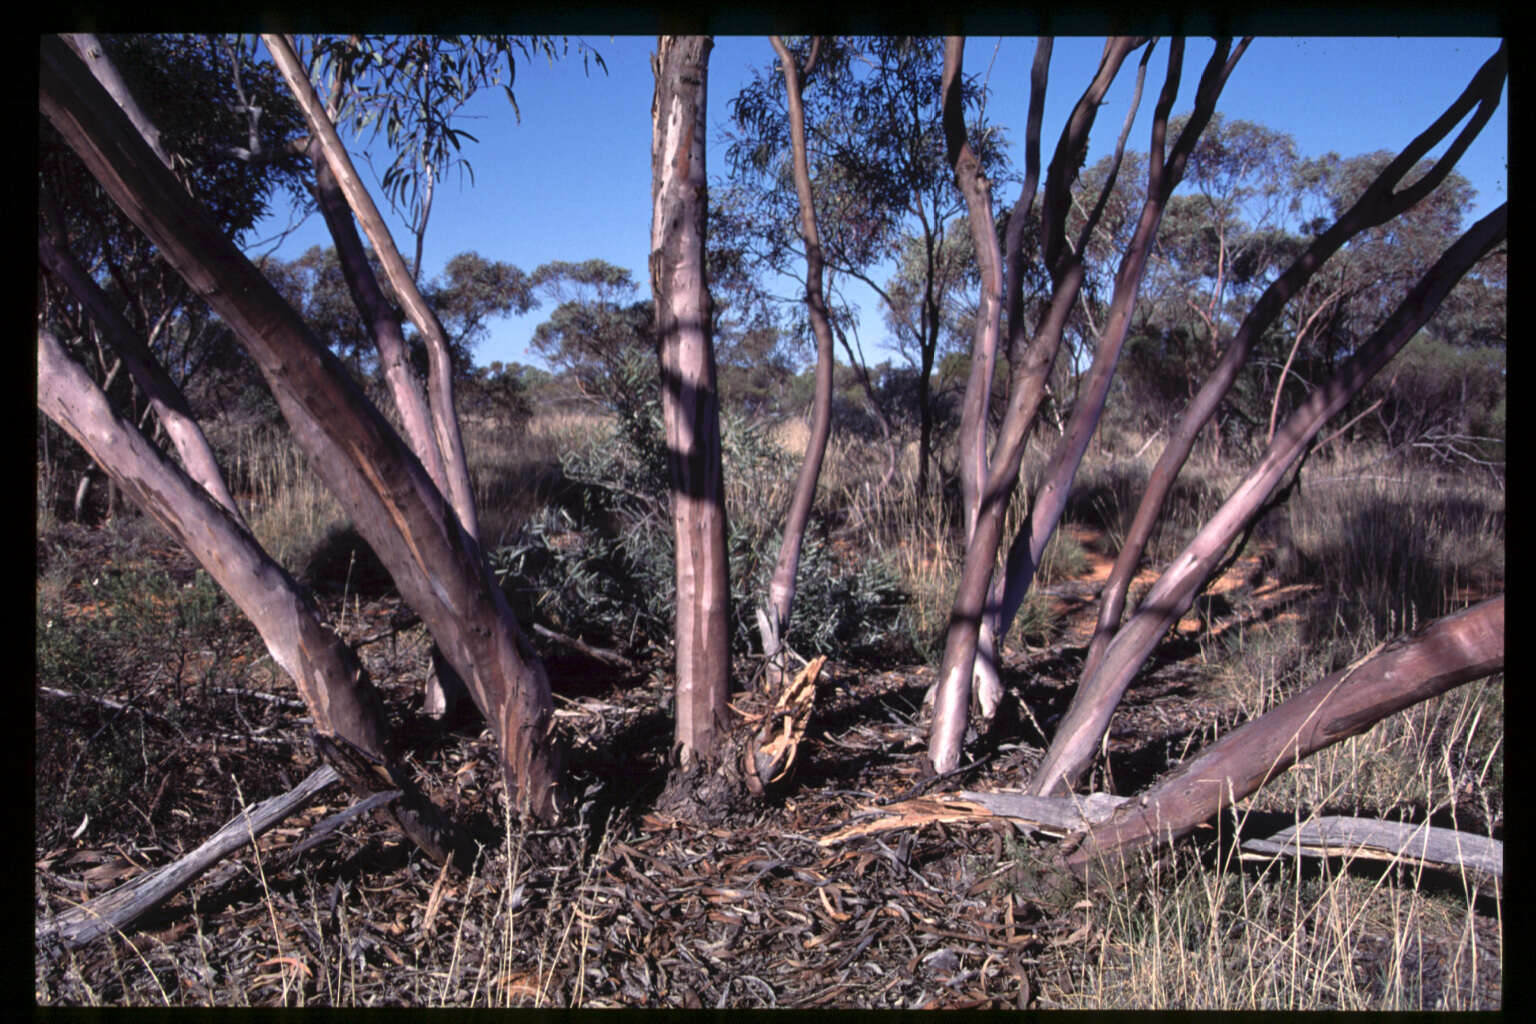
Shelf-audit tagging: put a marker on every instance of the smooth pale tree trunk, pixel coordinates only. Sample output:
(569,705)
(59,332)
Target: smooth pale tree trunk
(434,561)
(90,50)
(349,722)
(1380,202)
(689,399)
(951,703)
(445,693)
(965,634)
(1087,718)
(445,422)
(986,672)
(164,396)
(972,442)
(774,621)
(1444,654)
(1028,546)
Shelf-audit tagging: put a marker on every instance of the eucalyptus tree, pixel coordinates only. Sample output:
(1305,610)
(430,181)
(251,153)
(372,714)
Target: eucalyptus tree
(223,122)
(1473,647)
(773,616)
(690,410)
(1384,199)
(419,523)
(875,156)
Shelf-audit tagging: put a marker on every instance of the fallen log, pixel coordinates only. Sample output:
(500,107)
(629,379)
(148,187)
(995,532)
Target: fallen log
(1417,845)
(116,910)
(1446,653)
(1420,845)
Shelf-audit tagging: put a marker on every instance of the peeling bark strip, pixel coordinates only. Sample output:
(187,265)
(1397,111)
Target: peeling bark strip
(434,562)
(1448,652)
(348,712)
(689,400)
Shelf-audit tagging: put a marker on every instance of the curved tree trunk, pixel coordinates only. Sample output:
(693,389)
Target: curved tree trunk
(1446,653)
(774,623)
(1088,716)
(170,405)
(445,694)
(434,561)
(689,399)
(952,698)
(349,722)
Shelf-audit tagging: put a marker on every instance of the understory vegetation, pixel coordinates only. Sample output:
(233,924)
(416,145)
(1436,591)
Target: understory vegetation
(615,682)
(148,675)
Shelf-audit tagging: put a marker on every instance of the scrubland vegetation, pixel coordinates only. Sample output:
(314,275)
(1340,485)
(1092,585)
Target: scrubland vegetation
(161,712)
(154,656)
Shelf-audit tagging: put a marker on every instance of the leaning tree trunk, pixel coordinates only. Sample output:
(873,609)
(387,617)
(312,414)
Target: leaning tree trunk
(1028,546)
(1087,718)
(773,622)
(431,426)
(350,727)
(405,519)
(1446,653)
(169,404)
(1378,204)
(952,698)
(689,400)
(444,696)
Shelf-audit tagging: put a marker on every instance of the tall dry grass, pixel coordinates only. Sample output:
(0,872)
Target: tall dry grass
(1391,545)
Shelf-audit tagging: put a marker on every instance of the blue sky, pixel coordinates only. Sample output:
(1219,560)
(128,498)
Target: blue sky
(571,180)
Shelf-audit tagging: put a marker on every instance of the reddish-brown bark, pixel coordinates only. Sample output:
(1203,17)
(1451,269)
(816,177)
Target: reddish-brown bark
(397,509)
(1088,716)
(349,722)
(689,398)
(1446,653)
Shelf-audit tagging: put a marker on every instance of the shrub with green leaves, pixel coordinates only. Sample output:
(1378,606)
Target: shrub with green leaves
(604,555)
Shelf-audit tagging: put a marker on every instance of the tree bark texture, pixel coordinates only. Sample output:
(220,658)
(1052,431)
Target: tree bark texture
(689,398)
(1381,201)
(1165,173)
(397,509)
(347,710)
(444,693)
(781,587)
(445,423)
(951,704)
(1446,653)
(973,462)
(1088,716)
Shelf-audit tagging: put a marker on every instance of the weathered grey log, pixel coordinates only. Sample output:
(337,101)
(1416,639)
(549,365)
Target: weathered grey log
(119,908)
(1391,840)
(1055,814)
(323,829)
